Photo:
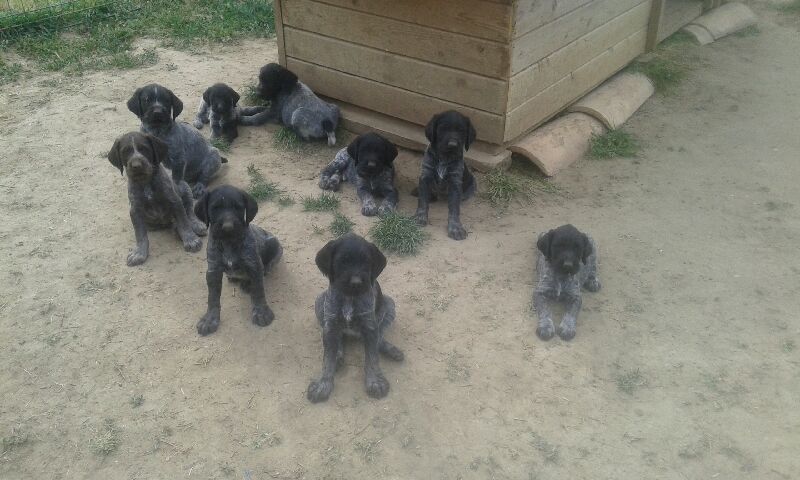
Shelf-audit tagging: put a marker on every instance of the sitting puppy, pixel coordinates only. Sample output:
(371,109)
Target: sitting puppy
(294,105)
(353,305)
(156,200)
(367,162)
(244,252)
(219,107)
(567,262)
(443,169)
(191,158)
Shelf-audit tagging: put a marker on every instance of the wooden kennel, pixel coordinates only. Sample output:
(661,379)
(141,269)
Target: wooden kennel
(507,64)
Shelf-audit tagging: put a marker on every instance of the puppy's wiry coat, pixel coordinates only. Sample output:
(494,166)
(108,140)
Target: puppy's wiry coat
(237,248)
(156,201)
(368,163)
(567,262)
(219,107)
(353,305)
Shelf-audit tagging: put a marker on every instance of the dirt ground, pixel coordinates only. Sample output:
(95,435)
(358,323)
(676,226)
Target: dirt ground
(685,365)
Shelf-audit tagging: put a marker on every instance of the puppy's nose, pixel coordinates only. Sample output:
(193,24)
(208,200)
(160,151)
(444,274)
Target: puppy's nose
(136,164)
(371,164)
(227,226)
(355,281)
(568,264)
(452,143)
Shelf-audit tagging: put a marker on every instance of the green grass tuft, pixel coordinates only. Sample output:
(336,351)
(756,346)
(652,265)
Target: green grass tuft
(521,182)
(286,139)
(629,381)
(341,225)
(614,143)
(399,234)
(17,439)
(325,202)
(137,400)
(250,96)
(105,440)
(750,30)
(665,73)
(285,200)
(501,188)
(9,72)
(790,7)
(221,144)
(260,188)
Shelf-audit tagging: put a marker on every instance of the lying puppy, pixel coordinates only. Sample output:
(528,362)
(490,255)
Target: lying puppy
(294,105)
(156,200)
(241,250)
(353,305)
(191,158)
(367,162)
(567,262)
(219,107)
(443,169)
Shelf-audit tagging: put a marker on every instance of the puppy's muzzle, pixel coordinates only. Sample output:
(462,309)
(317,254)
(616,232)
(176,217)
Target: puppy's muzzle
(452,145)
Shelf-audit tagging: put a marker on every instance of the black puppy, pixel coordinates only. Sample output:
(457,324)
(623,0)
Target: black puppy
(155,200)
(219,107)
(443,169)
(367,162)
(294,105)
(191,158)
(353,305)
(241,250)
(567,262)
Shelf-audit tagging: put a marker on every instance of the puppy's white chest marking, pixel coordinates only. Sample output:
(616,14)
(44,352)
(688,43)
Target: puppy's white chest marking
(441,170)
(347,311)
(148,193)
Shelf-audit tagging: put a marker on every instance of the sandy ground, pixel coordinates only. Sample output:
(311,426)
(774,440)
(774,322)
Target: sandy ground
(685,365)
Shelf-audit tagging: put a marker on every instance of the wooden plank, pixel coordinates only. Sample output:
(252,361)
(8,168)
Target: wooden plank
(534,79)
(543,41)
(276,8)
(457,86)
(653,25)
(404,104)
(532,14)
(444,48)
(474,18)
(676,14)
(481,156)
(555,98)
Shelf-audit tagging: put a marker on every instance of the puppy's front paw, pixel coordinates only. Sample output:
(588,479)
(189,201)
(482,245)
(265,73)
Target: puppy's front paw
(592,284)
(319,390)
(377,386)
(545,332)
(262,315)
(199,228)
(209,323)
(137,257)
(330,183)
(566,331)
(456,231)
(384,209)
(192,243)
(198,190)
(369,209)
(421,218)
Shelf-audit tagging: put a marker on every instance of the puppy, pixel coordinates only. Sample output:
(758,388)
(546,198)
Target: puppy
(241,250)
(294,105)
(219,107)
(567,262)
(191,158)
(353,305)
(367,162)
(443,169)
(156,200)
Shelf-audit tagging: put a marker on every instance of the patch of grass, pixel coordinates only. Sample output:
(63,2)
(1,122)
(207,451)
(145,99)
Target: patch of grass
(751,30)
(317,229)
(341,225)
(286,139)
(665,73)
(250,96)
(17,439)
(285,200)
(137,400)
(790,7)
(260,188)
(221,144)
(397,233)
(501,188)
(788,346)
(522,182)
(629,381)
(325,202)
(9,72)
(614,143)
(368,449)
(270,439)
(105,439)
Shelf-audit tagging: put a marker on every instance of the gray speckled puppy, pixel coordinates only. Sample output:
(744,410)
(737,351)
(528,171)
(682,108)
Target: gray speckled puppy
(156,200)
(567,262)
(353,305)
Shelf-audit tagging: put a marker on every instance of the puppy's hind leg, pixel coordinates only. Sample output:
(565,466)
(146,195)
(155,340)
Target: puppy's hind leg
(185,192)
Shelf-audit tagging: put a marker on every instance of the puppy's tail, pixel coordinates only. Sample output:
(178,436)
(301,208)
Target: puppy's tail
(327,127)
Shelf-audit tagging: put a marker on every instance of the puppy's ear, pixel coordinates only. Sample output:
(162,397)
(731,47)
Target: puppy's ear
(391,152)
(160,149)
(352,149)
(324,258)
(286,79)
(543,244)
(235,95)
(177,105)
(377,261)
(471,134)
(201,208)
(587,248)
(115,157)
(251,207)
(134,105)
(207,95)
(430,128)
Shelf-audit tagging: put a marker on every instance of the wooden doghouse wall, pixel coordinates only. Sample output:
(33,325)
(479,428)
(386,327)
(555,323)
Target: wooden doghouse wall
(409,59)
(562,49)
